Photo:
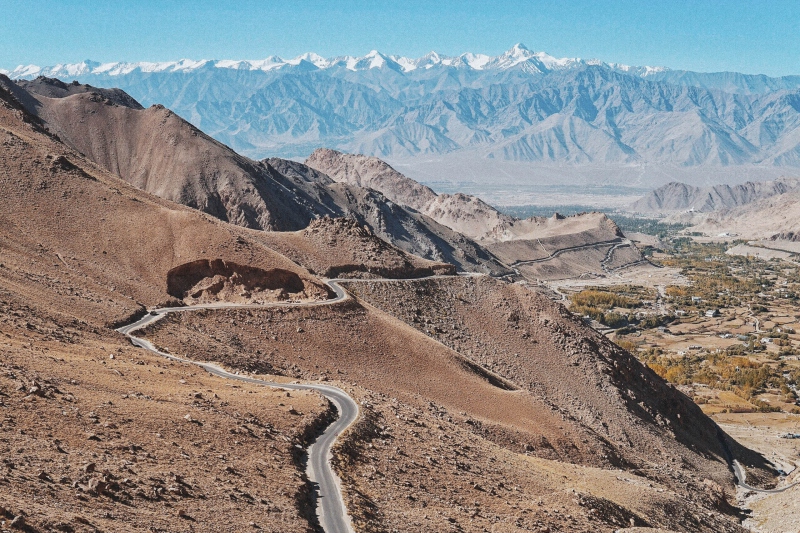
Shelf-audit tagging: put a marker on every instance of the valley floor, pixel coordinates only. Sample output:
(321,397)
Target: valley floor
(720,321)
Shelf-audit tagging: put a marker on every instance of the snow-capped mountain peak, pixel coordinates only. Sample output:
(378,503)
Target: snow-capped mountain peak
(429,60)
(519,50)
(518,56)
(520,105)
(310,57)
(376,59)
(475,61)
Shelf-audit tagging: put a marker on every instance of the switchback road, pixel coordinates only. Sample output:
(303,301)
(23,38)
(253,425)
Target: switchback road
(331,510)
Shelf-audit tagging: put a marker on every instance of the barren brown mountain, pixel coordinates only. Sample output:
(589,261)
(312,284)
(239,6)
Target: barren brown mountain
(466,214)
(538,248)
(340,247)
(95,434)
(161,153)
(776,217)
(483,406)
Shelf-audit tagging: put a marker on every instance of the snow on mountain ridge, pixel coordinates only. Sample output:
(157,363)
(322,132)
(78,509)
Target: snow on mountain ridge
(520,106)
(518,55)
(315,59)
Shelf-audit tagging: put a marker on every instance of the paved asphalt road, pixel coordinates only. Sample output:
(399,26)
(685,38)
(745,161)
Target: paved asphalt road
(567,249)
(741,477)
(331,510)
(739,472)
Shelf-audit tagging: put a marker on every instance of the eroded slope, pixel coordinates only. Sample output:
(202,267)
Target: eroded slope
(95,434)
(452,425)
(157,151)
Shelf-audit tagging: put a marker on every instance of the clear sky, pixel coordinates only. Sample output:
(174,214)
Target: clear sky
(752,36)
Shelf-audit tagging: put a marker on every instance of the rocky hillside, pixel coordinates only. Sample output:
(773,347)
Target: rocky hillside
(536,248)
(676,197)
(515,387)
(466,214)
(97,434)
(406,228)
(342,248)
(775,217)
(483,405)
(159,152)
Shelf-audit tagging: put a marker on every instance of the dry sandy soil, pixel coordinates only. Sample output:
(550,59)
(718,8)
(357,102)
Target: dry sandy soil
(485,405)
(134,443)
(96,435)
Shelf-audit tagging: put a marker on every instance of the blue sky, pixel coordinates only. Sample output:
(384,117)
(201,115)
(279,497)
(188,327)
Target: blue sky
(755,36)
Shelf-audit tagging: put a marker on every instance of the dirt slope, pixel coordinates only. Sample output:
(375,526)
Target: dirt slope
(493,408)
(157,151)
(53,88)
(95,434)
(77,224)
(139,145)
(538,345)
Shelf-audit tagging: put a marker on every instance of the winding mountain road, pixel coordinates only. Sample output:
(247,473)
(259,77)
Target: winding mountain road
(556,253)
(331,510)
(741,478)
(740,474)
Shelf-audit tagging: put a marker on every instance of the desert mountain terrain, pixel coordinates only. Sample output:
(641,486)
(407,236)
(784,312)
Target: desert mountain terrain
(753,210)
(466,214)
(772,218)
(677,197)
(140,145)
(96,435)
(520,106)
(483,404)
(536,248)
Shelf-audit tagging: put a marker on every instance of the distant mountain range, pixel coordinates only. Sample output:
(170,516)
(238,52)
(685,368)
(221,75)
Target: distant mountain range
(520,106)
(752,210)
(675,197)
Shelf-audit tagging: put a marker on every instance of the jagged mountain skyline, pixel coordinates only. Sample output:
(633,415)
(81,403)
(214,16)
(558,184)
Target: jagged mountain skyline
(521,107)
(536,61)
